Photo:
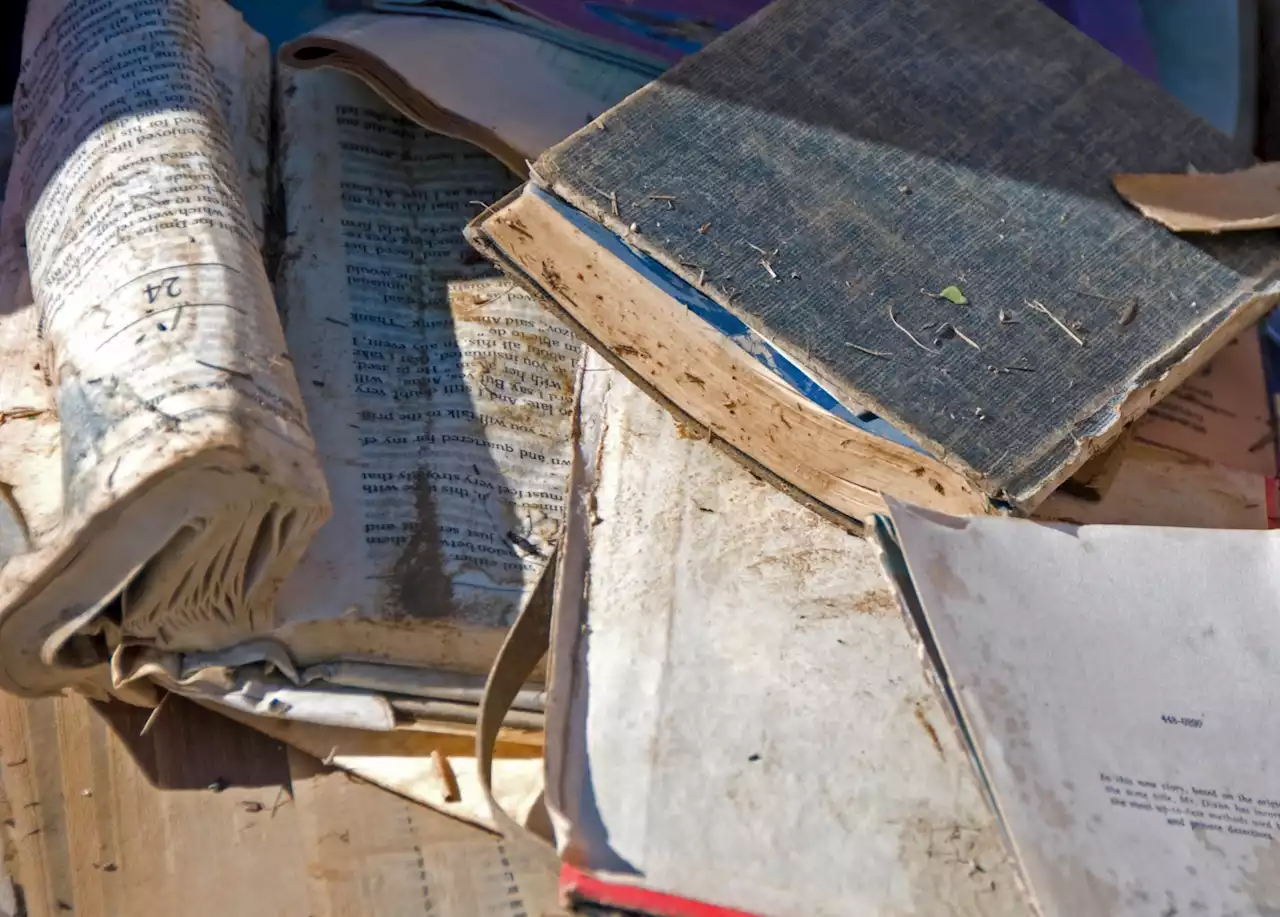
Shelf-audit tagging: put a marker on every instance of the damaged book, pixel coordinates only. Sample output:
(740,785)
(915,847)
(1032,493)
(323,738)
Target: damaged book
(286,446)
(900,271)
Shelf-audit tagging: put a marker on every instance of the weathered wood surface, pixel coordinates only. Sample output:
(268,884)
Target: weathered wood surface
(204,816)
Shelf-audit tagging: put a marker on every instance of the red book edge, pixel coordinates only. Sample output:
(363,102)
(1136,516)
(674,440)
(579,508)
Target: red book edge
(578,886)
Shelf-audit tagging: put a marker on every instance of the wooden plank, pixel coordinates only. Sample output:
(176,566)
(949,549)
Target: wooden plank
(108,822)
(199,817)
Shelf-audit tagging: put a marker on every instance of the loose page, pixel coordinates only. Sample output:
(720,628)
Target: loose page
(1119,687)
(741,712)
(660,33)
(441,405)
(1159,486)
(1221,414)
(145,348)
(512,94)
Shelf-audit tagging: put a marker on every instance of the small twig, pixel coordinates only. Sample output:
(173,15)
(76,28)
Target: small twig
(1130,313)
(327,761)
(613,203)
(946,331)
(964,337)
(485,210)
(1036,305)
(155,715)
(764,260)
(867,350)
(903,329)
(669,198)
(1084,292)
(445,770)
(19,414)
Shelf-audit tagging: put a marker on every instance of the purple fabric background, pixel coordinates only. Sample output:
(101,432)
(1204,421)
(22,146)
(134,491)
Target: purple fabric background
(1114,24)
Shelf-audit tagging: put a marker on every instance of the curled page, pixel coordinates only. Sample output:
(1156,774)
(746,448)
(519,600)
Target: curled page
(160,475)
(512,94)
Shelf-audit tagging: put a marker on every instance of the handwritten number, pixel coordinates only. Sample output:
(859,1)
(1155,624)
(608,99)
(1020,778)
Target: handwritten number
(168,286)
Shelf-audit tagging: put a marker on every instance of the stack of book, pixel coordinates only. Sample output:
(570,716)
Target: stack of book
(890,490)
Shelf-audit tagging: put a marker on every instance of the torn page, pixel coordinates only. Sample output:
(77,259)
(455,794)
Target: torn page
(1207,201)
(1115,683)
(1221,414)
(510,93)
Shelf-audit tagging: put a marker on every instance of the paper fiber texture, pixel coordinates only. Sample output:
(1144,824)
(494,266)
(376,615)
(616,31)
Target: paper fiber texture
(738,709)
(1117,684)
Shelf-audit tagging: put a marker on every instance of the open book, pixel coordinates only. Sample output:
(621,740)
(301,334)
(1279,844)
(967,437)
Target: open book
(169,453)
(1111,686)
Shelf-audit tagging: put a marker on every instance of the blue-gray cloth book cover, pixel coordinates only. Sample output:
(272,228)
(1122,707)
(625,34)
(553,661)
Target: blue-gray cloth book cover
(872,246)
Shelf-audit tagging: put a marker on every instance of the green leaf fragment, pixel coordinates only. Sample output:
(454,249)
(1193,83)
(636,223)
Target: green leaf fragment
(954,294)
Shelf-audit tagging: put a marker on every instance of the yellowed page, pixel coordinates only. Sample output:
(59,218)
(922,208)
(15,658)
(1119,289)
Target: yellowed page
(510,93)
(1221,414)
(440,393)
(149,373)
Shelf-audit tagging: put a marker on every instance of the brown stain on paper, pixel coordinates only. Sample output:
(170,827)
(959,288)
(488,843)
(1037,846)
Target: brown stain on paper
(1262,883)
(945,580)
(923,720)
(876,602)
(420,588)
